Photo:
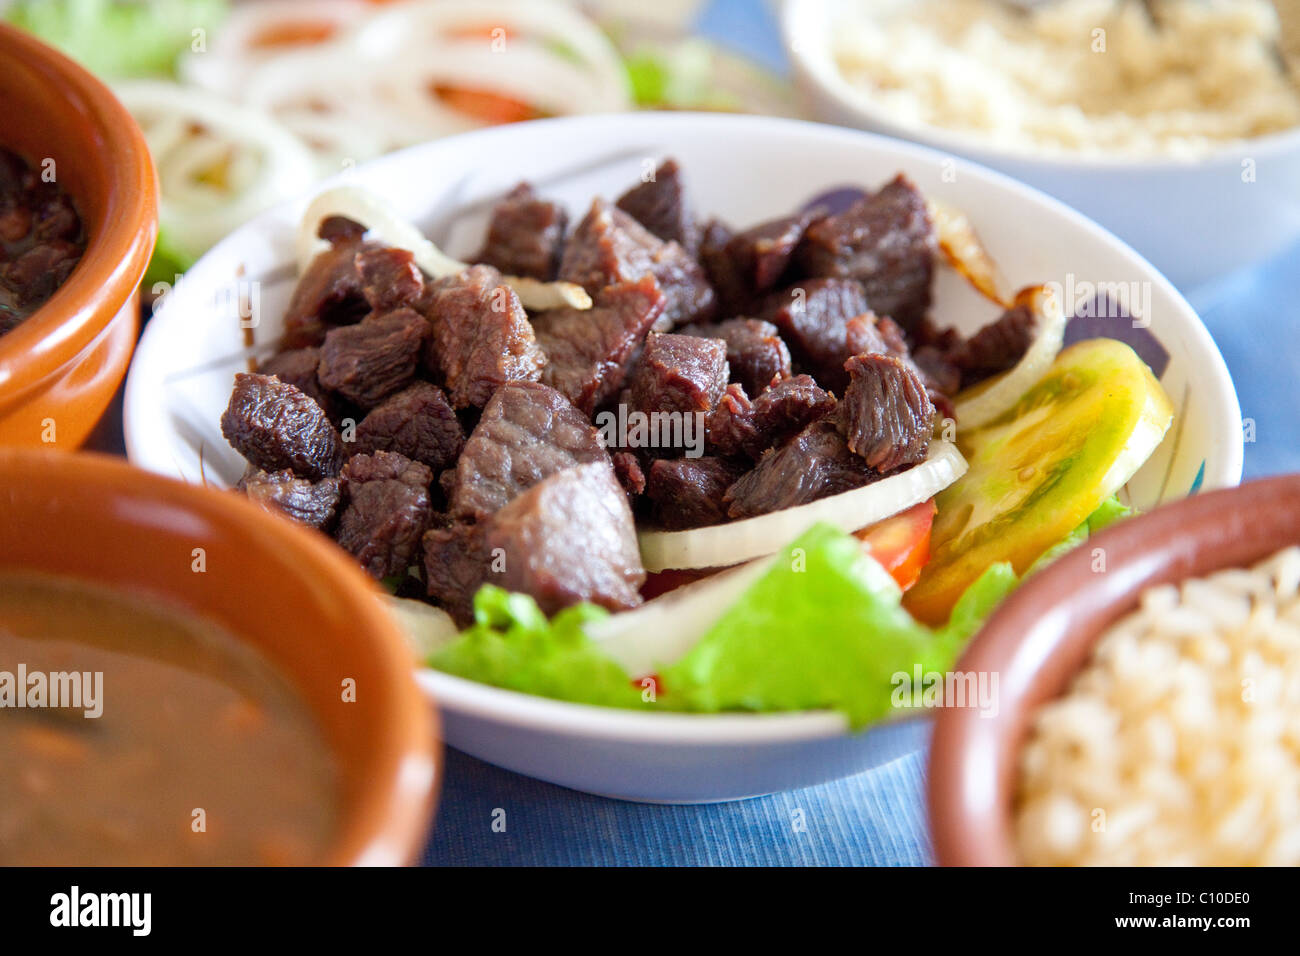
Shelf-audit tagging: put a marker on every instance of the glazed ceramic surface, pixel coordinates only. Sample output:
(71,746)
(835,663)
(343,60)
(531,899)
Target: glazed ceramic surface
(290,593)
(1195,221)
(744,170)
(1044,633)
(61,367)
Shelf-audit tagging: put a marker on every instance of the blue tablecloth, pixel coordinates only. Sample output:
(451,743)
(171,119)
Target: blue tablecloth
(875,818)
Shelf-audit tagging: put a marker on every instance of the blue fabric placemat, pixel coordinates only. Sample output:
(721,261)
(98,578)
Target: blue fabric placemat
(875,818)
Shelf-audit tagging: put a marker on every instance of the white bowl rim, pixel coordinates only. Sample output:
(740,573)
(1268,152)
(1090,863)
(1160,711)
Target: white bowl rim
(470,698)
(795,28)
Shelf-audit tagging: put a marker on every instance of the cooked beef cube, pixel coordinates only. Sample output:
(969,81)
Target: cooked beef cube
(607,247)
(892,334)
(863,334)
(689,295)
(338,229)
(481,337)
(611,247)
(387,512)
(298,368)
(740,427)
(312,503)
(996,347)
(762,253)
(941,377)
(731,429)
(389,277)
(814,464)
(679,373)
(659,204)
(276,426)
(568,539)
(689,492)
(456,564)
(385,466)
(527,432)
(869,334)
(367,362)
(756,353)
(886,416)
(787,408)
(627,468)
(38,272)
(56,218)
(525,236)
(729,286)
(417,422)
(887,242)
(329,293)
(590,351)
(812,317)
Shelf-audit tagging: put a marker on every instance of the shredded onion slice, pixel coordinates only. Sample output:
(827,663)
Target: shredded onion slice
(723,545)
(347,64)
(378,217)
(219,163)
(964,252)
(427,627)
(986,401)
(663,629)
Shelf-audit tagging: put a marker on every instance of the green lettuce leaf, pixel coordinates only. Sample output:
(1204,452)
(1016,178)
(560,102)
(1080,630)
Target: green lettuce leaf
(823,629)
(117,39)
(512,645)
(1110,511)
(168,263)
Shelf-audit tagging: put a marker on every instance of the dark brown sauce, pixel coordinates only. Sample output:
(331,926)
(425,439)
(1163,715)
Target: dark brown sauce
(203,753)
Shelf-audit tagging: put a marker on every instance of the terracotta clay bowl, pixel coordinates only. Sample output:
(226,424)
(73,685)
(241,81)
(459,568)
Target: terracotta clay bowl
(60,368)
(287,591)
(1044,634)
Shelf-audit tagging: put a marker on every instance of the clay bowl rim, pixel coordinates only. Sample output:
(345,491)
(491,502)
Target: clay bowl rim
(117,252)
(1043,634)
(390,825)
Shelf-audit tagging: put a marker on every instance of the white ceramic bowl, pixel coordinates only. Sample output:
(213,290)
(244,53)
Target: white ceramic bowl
(1196,221)
(744,169)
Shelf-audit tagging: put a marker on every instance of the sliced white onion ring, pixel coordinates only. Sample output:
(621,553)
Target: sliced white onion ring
(377,68)
(727,544)
(189,131)
(367,209)
(986,401)
(541,26)
(427,627)
(965,253)
(242,41)
(664,628)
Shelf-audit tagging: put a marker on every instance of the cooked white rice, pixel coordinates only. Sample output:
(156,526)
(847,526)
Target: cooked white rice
(1205,76)
(1179,742)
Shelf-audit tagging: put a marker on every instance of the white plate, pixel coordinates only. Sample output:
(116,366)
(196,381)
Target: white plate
(744,169)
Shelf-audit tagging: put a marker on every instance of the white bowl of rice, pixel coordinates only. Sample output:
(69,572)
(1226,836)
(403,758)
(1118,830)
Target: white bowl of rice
(1182,136)
(1149,699)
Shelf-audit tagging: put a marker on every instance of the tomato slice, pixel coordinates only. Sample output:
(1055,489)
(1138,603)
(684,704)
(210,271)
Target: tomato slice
(293,33)
(661,582)
(485,105)
(1041,468)
(902,543)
